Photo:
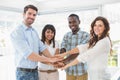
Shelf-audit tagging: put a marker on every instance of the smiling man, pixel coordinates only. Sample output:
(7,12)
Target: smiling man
(71,40)
(27,46)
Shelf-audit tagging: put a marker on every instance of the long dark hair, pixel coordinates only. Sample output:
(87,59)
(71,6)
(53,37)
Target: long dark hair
(51,27)
(93,37)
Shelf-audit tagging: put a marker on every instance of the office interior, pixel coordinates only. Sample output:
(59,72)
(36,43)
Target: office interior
(56,12)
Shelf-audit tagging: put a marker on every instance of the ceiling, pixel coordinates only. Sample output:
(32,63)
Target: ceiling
(52,5)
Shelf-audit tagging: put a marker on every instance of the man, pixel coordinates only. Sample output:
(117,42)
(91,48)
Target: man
(71,40)
(28,46)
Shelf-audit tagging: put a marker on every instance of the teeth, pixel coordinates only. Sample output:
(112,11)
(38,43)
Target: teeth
(72,27)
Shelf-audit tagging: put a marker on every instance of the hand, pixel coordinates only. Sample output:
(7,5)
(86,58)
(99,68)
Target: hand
(59,64)
(61,55)
(65,67)
(54,59)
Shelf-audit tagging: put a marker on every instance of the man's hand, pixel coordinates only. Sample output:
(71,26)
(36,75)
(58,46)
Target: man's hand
(61,55)
(54,59)
(59,64)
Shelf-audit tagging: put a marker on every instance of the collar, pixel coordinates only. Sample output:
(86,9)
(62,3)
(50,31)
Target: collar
(76,32)
(26,27)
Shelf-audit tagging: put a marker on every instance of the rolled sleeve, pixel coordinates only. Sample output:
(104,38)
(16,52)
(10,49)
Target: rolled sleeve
(82,48)
(42,46)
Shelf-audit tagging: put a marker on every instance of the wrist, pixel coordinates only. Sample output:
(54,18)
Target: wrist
(68,52)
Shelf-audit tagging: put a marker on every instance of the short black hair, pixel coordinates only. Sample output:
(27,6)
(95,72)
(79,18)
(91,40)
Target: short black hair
(71,15)
(30,6)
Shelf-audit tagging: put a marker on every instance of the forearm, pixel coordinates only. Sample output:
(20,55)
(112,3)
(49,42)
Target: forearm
(57,51)
(37,58)
(74,62)
(73,51)
(46,53)
(69,58)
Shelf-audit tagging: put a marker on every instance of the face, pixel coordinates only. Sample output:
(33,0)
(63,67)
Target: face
(29,16)
(99,28)
(73,23)
(49,34)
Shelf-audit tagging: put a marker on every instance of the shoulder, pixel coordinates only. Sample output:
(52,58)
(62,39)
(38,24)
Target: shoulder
(68,33)
(18,30)
(105,41)
(83,32)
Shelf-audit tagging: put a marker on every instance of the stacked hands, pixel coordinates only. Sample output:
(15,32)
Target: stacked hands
(58,61)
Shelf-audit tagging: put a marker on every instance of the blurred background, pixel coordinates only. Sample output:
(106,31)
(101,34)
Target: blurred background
(56,12)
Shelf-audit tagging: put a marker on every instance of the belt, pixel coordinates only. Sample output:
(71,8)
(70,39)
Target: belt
(48,71)
(27,69)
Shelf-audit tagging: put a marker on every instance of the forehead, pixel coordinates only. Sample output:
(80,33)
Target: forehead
(49,30)
(31,11)
(72,18)
(99,22)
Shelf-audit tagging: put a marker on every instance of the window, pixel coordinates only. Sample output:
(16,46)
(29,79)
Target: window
(8,21)
(112,13)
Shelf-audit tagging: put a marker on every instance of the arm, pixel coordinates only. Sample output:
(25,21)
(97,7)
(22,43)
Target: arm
(73,51)
(46,53)
(36,57)
(74,62)
(57,51)
(69,58)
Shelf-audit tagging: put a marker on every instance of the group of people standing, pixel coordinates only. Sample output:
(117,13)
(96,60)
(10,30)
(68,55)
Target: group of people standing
(82,55)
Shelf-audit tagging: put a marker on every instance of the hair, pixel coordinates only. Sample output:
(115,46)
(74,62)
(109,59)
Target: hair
(94,38)
(51,27)
(74,15)
(30,6)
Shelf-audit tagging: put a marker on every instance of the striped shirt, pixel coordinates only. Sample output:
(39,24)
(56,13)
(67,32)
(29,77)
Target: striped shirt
(69,42)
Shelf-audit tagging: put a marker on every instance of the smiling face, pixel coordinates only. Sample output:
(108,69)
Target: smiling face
(73,23)
(29,16)
(99,28)
(49,34)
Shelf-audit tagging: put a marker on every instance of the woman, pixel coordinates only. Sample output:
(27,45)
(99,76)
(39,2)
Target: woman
(95,52)
(48,72)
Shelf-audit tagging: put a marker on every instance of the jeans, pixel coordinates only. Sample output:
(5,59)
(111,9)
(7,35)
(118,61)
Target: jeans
(25,75)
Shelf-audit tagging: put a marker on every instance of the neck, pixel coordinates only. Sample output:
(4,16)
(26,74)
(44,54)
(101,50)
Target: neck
(47,41)
(27,25)
(74,32)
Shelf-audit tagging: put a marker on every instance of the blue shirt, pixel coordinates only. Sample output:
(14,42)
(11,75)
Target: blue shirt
(25,41)
(69,42)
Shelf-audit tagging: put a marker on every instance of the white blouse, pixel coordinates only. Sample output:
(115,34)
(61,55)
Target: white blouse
(96,58)
(52,50)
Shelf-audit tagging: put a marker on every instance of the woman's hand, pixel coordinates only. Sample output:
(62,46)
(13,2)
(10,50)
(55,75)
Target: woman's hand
(54,59)
(65,67)
(62,55)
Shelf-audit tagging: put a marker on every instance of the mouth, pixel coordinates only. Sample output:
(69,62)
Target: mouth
(73,28)
(30,19)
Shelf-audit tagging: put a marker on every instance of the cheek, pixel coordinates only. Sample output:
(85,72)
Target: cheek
(102,30)
(52,35)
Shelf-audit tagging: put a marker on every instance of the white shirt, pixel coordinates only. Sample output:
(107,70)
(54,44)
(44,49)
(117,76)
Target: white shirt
(52,50)
(96,58)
